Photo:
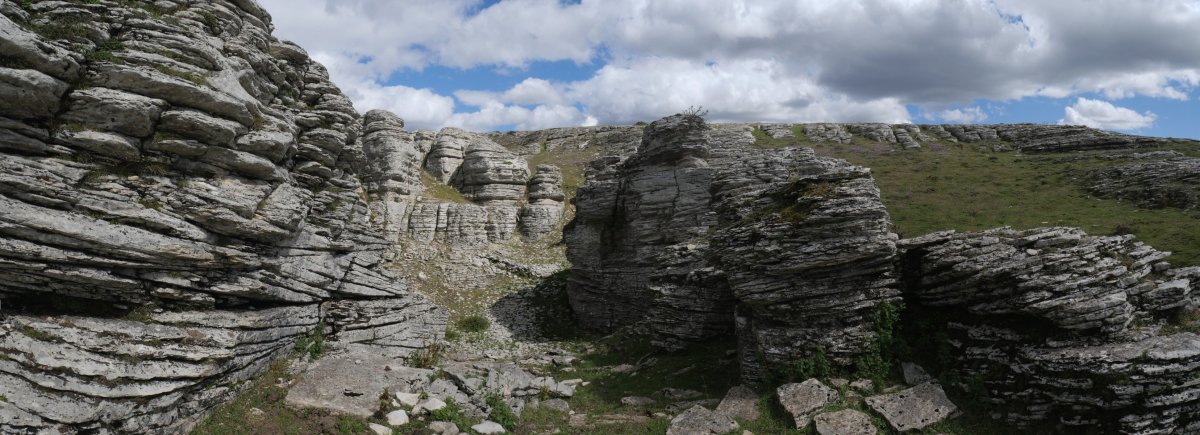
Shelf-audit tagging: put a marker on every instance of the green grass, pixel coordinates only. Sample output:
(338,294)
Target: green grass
(264,394)
(573,163)
(962,188)
(194,78)
(472,323)
(440,191)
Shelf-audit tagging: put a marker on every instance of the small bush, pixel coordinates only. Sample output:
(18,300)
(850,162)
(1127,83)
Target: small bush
(474,323)
(427,357)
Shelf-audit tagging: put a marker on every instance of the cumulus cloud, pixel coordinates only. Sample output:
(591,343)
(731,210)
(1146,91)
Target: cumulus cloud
(843,60)
(421,108)
(1102,114)
(964,115)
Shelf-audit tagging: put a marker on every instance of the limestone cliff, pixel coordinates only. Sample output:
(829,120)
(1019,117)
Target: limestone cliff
(180,202)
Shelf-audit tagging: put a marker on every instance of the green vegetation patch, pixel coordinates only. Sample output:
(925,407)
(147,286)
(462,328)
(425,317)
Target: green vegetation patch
(968,189)
(440,191)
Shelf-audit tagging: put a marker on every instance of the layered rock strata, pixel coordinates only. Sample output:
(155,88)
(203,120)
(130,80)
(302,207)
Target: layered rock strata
(1047,322)
(677,235)
(180,202)
(636,244)
(1001,137)
(806,247)
(475,191)
(1172,182)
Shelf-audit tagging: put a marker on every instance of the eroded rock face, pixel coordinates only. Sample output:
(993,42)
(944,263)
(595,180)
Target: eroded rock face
(188,191)
(638,240)
(1061,276)
(677,235)
(806,247)
(1048,321)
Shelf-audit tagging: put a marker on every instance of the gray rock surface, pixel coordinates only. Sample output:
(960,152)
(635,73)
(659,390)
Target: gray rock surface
(672,236)
(1062,276)
(646,263)
(740,403)
(1173,182)
(699,420)
(491,174)
(488,427)
(805,399)
(914,408)
(914,374)
(192,167)
(844,422)
(351,383)
(1052,325)
(806,248)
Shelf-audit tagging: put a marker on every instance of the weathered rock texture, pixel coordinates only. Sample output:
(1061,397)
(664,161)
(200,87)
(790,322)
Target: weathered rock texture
(186,187)
(1047,319)
(677,235)
(1173,182)
(806,247)
(497,198)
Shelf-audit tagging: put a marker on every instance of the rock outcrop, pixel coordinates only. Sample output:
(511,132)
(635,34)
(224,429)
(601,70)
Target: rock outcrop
(677,235)
(806,248)
(476,191)
(180,203)
(1172,182)
(636,242)
(999,137)
(1047,324)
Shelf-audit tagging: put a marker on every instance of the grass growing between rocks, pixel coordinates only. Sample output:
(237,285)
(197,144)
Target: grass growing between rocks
(260,409)
(951,187)
(440,191)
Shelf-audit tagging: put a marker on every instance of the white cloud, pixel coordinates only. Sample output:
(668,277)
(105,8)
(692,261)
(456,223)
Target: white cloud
(1102,114)
(496,114)
(747,90)
(964,115)
(808,59)
(420,108)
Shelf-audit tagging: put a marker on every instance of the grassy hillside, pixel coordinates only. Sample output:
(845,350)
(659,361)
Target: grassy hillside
(961,187)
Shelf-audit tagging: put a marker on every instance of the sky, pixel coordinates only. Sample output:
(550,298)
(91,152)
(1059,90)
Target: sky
(484,65)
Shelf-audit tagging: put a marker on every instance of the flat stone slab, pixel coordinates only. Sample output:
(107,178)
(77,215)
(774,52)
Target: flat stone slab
(804,399)
(351,383)
(740,403)
(844,422)
(698,420)
(914,408)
